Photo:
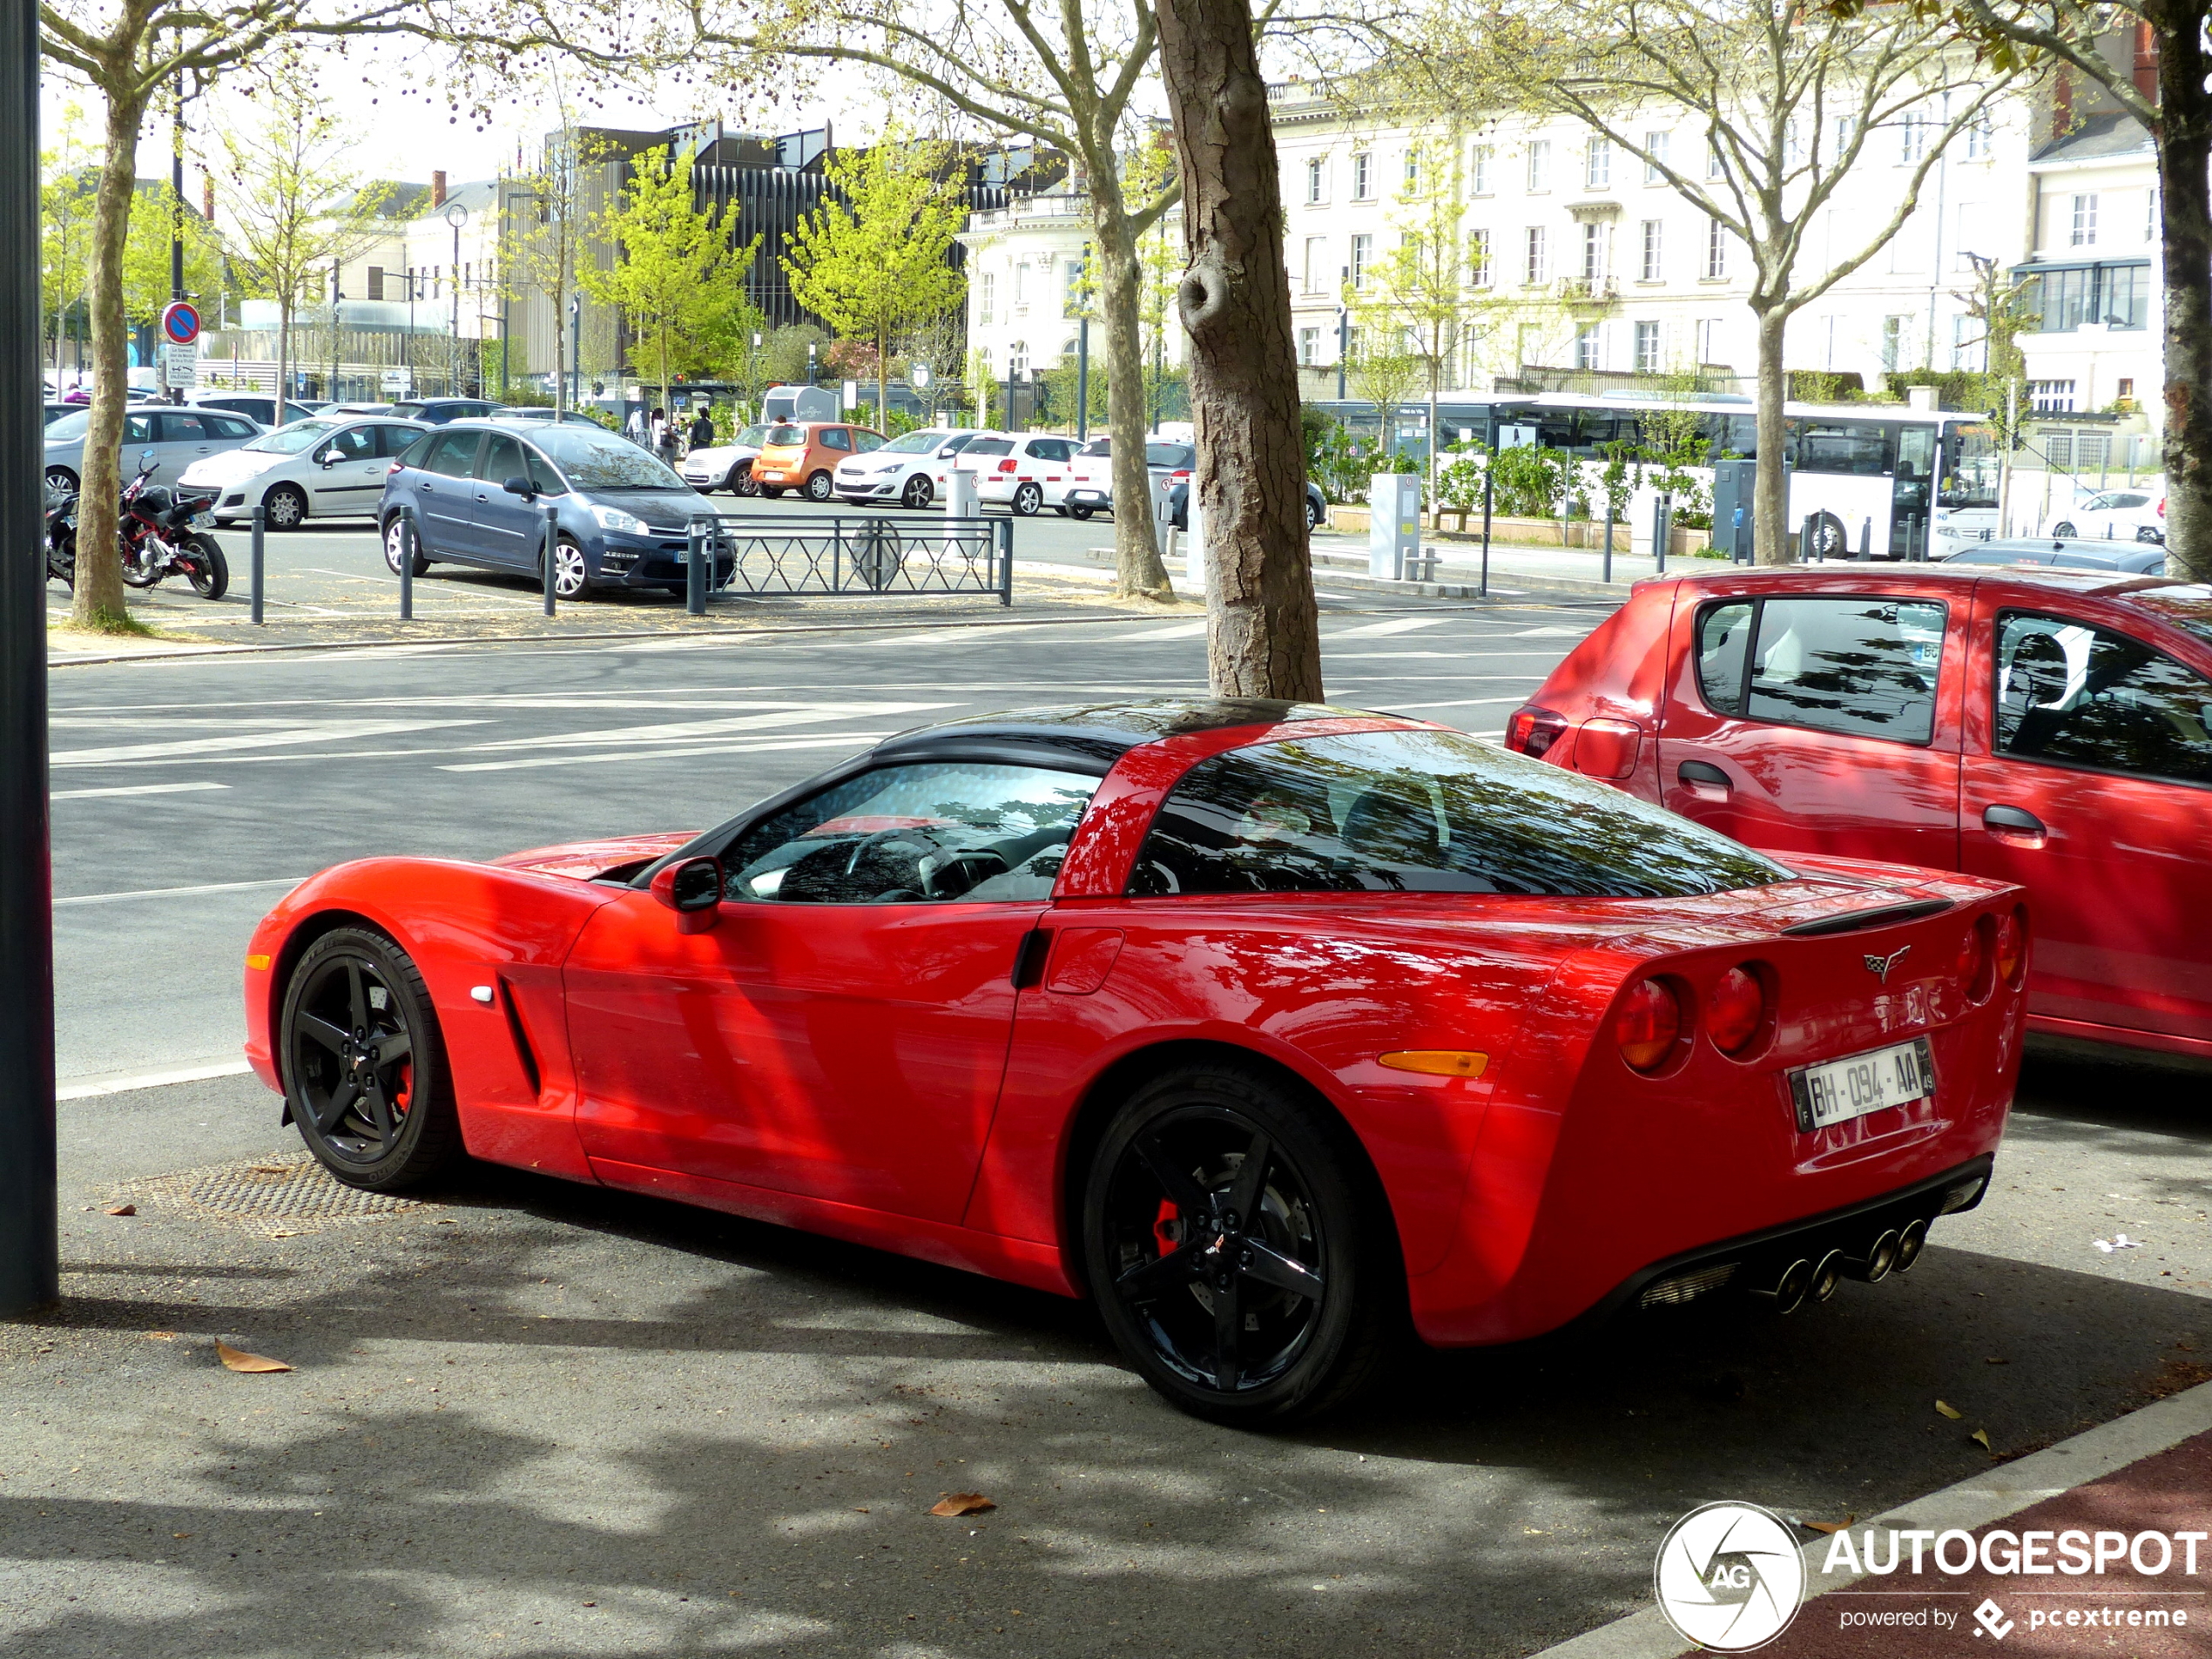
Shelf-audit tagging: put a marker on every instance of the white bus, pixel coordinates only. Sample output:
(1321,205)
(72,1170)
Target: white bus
(1894,480)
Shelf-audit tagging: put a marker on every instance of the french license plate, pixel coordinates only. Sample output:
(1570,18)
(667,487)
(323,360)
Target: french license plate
(203,521)
(1842,1090)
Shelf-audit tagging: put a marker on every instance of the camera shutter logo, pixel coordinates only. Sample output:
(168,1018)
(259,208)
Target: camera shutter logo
(1728,1576)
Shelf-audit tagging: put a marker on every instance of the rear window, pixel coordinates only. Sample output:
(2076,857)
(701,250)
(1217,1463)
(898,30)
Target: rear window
(1856,665)
(1097,446)
(786,434)
(991,447)
(1175,457)
(1423,812)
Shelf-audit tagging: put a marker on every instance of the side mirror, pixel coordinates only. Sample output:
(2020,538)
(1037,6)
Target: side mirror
(693,890)
(327,457)
(519,485)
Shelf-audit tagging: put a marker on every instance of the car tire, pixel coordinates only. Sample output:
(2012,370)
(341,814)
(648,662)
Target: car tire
(1079,514)
(211,578)
(1314,514)
(2151,535)
(820,487)
(61,478)
(332,1034)
(1311,1263)
(1026,499)
(740,480)
(285,508)
(917,492)
(2064,527)
(770,492)
(395,547)
(1829,541)
(571,573)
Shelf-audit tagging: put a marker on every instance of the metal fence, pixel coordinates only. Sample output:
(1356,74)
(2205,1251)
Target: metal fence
(863,556)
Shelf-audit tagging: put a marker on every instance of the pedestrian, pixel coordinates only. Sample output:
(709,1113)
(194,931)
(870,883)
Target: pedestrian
(703,430)
(634,428)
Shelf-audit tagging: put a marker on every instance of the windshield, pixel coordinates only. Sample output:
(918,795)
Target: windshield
(1424,812)
(786,434)
(598,459)
(70,428)
(291,440)
(914,443)
(752,435)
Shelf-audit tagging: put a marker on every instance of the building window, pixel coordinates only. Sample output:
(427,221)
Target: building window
(1892,344)
(1965,343)
(2150,218)
(1597,165)
(1716,250)
(1533,266)
(1793,150)
(1021,287)
(1540,164)
(1314,178)
(1071,303)
(1846,133)
(987,290)
(1654,145)
(1479,258)
(1413,171)
(1363,249)
(1981,138)
(2125,388)
(1716,166)
(1317,264)
(1592,252)
(1913,140)
(1478,171)
(1363,170)
(1647,348)
(2083,233)
(1586,353)
(376,282)
(1709,339)
(2053,397)
(1308,347)
(1652,233)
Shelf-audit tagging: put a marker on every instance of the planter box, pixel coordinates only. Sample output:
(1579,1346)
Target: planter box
(1682,544)
(1353,520)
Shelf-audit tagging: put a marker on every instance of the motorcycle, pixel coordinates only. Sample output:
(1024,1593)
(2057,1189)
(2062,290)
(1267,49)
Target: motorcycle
(164,533)
(61,536)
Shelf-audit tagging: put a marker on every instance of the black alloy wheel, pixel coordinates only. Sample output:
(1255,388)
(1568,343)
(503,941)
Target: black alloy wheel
(285,508)
(2150,534)
(2064,527)
(1028,498)
(364,1063)
(1079,514)
(820,487)
(1235,1254)
(917,492)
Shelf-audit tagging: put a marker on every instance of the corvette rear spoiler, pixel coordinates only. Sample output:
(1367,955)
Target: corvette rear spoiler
(1881,916)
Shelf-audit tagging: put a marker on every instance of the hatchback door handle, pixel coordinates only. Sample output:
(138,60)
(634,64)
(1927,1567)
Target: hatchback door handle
(1702,772)
(2013,818)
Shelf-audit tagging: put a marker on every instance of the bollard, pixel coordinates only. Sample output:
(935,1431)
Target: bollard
(1005,536)
(550,561)
(1608,538)
(407,568)
(695,570)
(1483,590)
(261,532)
(1806,545)
(1663,529)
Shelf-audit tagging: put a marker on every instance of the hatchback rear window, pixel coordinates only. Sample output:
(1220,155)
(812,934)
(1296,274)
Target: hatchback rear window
(1423,812)
(991,447)
(786,434)
(1174,456)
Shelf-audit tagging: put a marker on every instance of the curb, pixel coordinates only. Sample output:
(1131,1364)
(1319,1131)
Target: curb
(1968,1505)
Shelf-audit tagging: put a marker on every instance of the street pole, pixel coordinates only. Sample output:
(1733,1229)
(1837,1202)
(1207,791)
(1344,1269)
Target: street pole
(30,1253)
(336,294)
(1083,381)
(176,212)
(576,349)
(456,216)
(1344,334)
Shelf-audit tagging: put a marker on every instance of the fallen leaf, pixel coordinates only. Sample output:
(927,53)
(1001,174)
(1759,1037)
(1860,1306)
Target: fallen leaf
(858,1509)
(272,1169)
(961,1503)
(123,1209)
(1949,1410)
(180,1534)
(1982,1435)
(239,1359)
(163,1336)
(1831,1527)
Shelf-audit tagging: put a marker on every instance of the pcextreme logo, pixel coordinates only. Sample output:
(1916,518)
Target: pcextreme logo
(1728,1576)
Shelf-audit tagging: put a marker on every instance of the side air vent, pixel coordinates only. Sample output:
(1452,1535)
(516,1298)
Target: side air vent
(1857,920)
(523,1052)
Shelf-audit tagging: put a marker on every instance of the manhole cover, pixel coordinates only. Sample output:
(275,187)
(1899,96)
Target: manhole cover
(276,1197)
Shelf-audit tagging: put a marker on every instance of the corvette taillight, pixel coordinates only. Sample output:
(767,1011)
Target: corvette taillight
(1976,959)
(1648,1025)
(1533,730)
(2009,949)
(1735,1011)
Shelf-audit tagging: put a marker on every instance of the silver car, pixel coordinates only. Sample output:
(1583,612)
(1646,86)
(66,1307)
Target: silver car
(177,438)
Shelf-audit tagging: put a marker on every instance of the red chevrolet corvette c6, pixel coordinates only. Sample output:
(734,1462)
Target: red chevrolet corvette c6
(1270,1026)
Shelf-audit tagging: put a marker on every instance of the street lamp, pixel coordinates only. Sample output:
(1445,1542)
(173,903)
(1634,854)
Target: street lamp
(456,216)
(810,362)
(1343,330)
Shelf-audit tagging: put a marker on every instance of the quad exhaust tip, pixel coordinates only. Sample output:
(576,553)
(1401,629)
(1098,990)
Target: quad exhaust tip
(1827,1276)
(1878,1261)
(1910,1244)
(1789,1290)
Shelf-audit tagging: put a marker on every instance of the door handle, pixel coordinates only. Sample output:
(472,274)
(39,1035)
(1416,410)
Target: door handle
(2012,820)
(1703,772)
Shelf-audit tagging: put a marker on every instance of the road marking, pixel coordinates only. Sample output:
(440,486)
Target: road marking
(327,730)
(125,1083)
(135,789)
(179,892)
(789,714)
(1402,625)
(1551,633)
(844,739)
(1170,630)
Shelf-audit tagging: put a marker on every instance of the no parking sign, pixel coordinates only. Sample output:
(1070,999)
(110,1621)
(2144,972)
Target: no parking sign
(180,344)
(180,322)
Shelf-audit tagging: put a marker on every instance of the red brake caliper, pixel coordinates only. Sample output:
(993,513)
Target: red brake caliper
(1161,1225)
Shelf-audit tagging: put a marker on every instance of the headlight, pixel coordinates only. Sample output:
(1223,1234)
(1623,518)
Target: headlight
(613,518)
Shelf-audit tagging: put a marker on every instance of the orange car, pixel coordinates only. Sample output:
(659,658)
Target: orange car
(804,455)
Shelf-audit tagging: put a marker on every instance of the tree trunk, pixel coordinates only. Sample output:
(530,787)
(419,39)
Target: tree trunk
(560,352)
(1234,298)
(2185,199)
(1770,529)
(99,601)
(1138,572)
(883,380)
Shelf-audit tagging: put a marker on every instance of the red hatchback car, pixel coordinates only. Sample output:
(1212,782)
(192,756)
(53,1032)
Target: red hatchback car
(1266,1026)
(2048,727)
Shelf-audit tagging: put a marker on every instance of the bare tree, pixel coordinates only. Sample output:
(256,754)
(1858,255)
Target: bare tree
(1263,638)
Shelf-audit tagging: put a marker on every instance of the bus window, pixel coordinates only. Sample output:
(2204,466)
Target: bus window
(1734,437)
(1969,478)
(1856,448)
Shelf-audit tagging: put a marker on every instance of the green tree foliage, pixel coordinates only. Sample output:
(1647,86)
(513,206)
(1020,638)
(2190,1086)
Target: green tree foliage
(872,259)
(145,253)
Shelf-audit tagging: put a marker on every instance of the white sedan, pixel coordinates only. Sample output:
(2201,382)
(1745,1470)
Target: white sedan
(725,466)
(324,467)
(2114,515)
(910,469)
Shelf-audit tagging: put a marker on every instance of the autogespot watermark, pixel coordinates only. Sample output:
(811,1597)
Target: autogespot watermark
(1731,1577)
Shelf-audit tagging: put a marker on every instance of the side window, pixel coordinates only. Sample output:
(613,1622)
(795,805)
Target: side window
(502,460)
(836,437)
(1723,642)
(182,429)
(542,474)
(453,454)
(915,834)
(224,426)
(2076,695)
(355,443)
(138,428)
(1864,667)
(1858,448)
(397,440)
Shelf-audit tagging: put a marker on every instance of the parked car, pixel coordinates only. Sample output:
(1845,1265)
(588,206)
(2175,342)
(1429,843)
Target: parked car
(1316,506)
(443,411)
(1090,479)
(725,466)
(1270,1027)
(2115,515)
(540,412)
(1024,473)
(905,470)
(2045,726)
(177,438)
(56,411)
(359,408)
(477,492)
(317,468)
(804,455)
(262,411)
(2134,558)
